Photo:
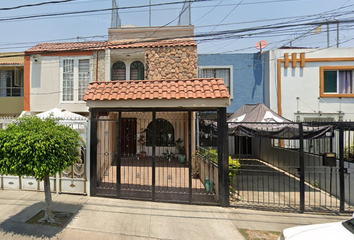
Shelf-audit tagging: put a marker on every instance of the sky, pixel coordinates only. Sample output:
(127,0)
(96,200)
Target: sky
(226,26)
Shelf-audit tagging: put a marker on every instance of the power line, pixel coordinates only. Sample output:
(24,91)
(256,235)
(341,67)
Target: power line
(172,20)
(227,15)
(302,17)
(208,11)
(240,33)
(35,4)
(270,30)
(62,14)
(93,11)
(306,17)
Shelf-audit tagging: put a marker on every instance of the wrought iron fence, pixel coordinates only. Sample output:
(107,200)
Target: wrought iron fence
(4,120)
(297,169)
(147,155)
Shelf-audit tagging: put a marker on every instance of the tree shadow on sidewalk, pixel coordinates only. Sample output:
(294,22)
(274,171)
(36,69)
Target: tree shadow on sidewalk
(16,225)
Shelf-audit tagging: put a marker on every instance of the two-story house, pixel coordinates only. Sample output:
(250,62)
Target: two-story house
(141,92)
(311,84)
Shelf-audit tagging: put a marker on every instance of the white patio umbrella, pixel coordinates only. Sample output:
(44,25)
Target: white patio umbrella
(61,113)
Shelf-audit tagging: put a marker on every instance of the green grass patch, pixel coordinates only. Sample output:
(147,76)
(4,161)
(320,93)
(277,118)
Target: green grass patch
(259,235)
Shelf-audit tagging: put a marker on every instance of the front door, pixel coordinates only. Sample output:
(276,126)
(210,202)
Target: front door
(128,143)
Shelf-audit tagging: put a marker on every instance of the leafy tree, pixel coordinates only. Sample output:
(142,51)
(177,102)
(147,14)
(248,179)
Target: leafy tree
(40,148)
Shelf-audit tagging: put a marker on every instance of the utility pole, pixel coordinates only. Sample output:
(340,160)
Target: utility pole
(190,13)
(337,34)
(149,13)
(327,34)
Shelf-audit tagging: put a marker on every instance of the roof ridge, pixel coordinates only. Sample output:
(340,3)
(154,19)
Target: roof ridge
(193,88)
(69,46)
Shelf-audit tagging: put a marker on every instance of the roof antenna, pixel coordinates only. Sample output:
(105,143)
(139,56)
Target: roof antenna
(115,20)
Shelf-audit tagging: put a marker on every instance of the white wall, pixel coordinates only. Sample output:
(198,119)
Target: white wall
(45,86)
(300,87)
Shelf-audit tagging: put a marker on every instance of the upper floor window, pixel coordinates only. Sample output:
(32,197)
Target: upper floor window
(137,71)
(76,75)
(127,70)
(11,83)
(118,71)
(224,72)
(337,82)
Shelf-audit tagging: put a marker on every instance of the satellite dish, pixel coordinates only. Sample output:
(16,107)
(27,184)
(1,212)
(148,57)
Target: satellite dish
(261,44)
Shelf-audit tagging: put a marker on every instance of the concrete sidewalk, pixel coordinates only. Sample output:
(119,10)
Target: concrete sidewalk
(105,218)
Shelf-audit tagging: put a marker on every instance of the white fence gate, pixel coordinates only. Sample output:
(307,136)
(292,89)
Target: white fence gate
(71,180)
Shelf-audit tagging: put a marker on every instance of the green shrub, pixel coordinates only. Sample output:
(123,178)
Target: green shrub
(234,165)
(212,155)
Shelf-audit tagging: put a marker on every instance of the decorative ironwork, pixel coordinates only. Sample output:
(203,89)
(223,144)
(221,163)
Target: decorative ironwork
(146,173)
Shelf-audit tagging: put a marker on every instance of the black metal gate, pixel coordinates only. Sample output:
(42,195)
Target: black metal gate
(299,174)
(148,156)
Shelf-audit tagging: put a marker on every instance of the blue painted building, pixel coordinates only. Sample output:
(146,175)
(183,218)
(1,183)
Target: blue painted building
(243,74)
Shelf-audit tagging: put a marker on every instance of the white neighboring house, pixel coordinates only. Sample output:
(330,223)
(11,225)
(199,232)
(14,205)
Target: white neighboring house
(311,84)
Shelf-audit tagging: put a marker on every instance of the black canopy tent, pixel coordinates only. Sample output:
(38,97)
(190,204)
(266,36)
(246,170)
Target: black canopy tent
(257,120)
(279,130)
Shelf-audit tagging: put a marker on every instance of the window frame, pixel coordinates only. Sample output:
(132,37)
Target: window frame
(15,73)
(125,70)
(231,84)
(76,77)
(139,64)
(334,68)
(128,63)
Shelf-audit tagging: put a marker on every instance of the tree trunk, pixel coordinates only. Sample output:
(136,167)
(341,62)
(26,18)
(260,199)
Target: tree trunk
(48,216)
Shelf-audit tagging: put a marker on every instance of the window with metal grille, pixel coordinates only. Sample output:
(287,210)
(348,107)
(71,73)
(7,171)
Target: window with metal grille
(11,83)
(68,80)
(164,133)
(84,77)
(137,71)
(118,71)
(76,75)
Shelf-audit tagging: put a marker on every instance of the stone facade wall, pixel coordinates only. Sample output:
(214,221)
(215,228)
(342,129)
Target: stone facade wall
(101,66)
(171,63)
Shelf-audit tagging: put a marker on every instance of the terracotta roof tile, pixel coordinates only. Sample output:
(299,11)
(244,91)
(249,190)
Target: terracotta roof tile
(68,46)
(11,63)
(157,89)
(100,45)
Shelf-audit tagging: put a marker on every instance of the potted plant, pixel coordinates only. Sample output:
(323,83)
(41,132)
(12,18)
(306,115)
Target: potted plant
(181,152)
(168,155)
(142,142)
(195,173)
